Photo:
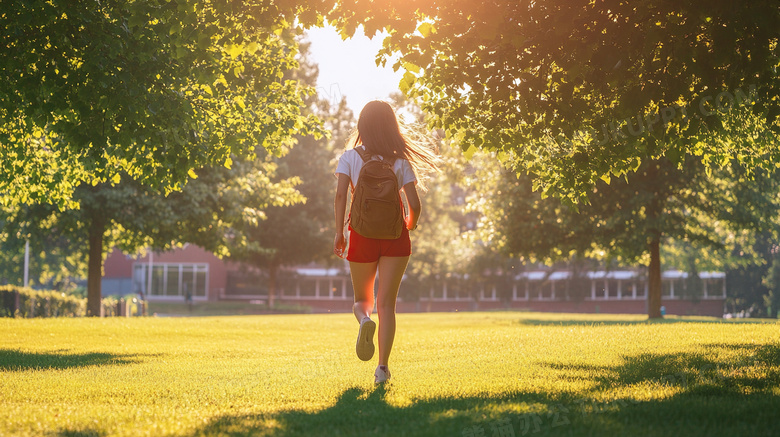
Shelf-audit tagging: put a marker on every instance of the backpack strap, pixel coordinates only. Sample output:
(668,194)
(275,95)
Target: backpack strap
(363,153)
(366,156)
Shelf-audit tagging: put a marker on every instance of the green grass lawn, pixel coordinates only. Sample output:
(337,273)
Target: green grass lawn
(454,374)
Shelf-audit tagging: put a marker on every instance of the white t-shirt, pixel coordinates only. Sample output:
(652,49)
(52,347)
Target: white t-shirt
(350,164)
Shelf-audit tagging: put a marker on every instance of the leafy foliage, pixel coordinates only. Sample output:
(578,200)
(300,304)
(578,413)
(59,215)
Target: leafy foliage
(440,251)
(109,106)
(52,263)
(155,89)
(772,282)
(131,216)
(690,212)
(45,303)
(572,92)
(298,233)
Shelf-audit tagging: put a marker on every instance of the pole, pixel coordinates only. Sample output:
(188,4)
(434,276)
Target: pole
(26,263)
(149,282)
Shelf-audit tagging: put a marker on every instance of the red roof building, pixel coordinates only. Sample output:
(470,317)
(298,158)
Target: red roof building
(191,270)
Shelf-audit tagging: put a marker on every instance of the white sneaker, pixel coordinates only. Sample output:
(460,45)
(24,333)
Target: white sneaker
(365,341)
(381,374)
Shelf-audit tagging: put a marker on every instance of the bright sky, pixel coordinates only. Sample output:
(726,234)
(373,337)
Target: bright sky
(348,68)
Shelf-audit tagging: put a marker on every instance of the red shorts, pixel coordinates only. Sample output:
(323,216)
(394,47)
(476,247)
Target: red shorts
(368,250)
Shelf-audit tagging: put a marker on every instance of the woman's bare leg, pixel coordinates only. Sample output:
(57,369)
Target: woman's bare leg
(391,271)
(363,275)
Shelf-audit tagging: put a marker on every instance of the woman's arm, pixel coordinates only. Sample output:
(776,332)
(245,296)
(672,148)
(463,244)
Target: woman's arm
(413,199)
(340,208)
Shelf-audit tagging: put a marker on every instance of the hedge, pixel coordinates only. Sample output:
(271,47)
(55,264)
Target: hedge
(26,302)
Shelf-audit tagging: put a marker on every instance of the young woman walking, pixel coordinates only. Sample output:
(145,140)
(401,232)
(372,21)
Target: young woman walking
(379,134)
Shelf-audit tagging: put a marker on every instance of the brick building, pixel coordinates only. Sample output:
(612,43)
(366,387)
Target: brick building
(193,270)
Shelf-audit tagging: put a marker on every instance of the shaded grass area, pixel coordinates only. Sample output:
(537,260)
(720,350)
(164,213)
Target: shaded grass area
(463,374)
(366,412)
(16,360)
(222,309)
(564,319)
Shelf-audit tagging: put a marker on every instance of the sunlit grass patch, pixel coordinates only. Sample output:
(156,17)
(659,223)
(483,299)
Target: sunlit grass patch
(453,374)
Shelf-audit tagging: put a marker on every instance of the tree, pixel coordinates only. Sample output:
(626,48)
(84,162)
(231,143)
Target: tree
(441,251)
(301,233)
(131,216)
(105,97)
(53,264)
(571,92)
(752,285)
(629,219)
(772,297)
(155,89)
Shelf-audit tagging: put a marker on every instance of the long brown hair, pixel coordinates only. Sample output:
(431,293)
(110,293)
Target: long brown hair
(380,132)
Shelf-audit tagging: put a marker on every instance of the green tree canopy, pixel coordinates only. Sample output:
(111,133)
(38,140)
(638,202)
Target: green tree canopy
(108,106)
(575,91)
(155,89)
(210,211)
(301,233)
(629,219)
(441,251)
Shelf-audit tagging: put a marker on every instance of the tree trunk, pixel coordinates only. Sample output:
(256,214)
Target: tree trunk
(272,284)
(654,212)
(654,280)
(97,228)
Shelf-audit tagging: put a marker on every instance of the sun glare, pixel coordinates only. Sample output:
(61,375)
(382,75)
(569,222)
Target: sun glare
(348,68)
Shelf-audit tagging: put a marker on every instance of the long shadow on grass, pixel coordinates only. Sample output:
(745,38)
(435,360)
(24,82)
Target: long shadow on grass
(691,394)
(15,360)
(747,368)
(634,322)
(728,389)
(87,432)
(361,412)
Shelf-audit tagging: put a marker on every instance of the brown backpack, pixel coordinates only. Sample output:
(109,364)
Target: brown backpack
(376,210)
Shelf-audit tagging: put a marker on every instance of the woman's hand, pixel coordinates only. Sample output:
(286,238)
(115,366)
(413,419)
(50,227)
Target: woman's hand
(340,245)
(408,223)
(413,199)
(340,206)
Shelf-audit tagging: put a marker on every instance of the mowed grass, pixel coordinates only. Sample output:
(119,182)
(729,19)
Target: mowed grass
(454,374)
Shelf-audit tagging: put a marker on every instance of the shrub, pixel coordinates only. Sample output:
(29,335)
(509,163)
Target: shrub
(39,303)
(46,303)
(109,306)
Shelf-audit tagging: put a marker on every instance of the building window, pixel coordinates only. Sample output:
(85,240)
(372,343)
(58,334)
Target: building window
(437,291)
(171,279)
(158,278)
(172,282)
(666,287)
(534,288)
(641,288)
(308,287)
